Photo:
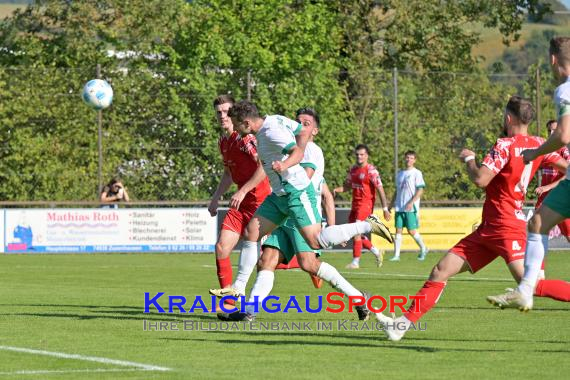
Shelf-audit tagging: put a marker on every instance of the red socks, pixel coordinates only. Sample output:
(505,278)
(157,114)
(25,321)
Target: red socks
(224,272)
(428,295)
(367,244)
(555,289)
(357,248)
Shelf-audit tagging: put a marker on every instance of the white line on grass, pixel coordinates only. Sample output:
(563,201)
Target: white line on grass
(57,371)
(124,363)
(418,276)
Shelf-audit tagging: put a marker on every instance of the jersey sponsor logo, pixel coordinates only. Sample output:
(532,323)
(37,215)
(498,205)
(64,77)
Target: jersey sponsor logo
(361,176)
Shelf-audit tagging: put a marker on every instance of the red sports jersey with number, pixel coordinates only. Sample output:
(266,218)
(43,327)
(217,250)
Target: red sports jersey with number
(240,157)
(364,182)
(505,194)
(550,174)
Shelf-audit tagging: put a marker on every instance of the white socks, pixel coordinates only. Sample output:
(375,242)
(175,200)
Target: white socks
(397,245)
(261,288)
(375,251)
(340,233)
(247,261)
(329,273)
(536,247)
(417,237)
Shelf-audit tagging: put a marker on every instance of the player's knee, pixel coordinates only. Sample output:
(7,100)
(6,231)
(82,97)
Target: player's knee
(309,264)
(222,251)
(251,233)
(440,272)
(534,224)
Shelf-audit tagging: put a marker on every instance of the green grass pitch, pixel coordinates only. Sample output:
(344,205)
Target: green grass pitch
(91,306)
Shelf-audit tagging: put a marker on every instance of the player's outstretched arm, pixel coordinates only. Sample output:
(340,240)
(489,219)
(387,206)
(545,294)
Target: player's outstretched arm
(559,138)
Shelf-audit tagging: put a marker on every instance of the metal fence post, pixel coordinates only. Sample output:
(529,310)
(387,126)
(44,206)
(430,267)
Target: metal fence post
(395,81)
(100,141)
(249,85)
(538,121)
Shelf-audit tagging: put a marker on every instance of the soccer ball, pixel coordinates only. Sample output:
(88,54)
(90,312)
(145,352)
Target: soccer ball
(98,94)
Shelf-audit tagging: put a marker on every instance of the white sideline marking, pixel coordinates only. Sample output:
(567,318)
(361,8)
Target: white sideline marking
(124,363)
(418,276)
(53,371)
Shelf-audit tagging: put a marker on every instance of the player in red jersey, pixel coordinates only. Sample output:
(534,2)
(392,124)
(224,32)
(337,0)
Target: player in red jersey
(550,178)
(240,167)
(502,232)
(364,181)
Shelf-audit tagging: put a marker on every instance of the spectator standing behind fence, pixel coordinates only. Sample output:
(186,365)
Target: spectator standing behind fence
(114,192)
(364,181)
(409,188)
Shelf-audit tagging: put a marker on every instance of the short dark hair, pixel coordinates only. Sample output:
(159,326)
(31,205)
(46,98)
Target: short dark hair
(309,111)
(362,146)
(410,153)
(550,122)
(243,110)
(521,108)
(560,48)
(224,98)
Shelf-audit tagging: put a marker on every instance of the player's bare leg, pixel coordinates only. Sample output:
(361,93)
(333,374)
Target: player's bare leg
(447,267)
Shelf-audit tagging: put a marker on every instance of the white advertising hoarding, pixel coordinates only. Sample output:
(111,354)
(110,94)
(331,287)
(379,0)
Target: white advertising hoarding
(109,230)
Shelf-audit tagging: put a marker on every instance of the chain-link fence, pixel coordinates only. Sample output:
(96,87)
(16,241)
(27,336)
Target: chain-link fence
(160,134)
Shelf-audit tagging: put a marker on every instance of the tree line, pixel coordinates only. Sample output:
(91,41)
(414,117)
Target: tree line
(168,59)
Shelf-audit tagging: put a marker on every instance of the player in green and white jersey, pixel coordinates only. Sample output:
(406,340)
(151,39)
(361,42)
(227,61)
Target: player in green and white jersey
(281,146)
(287,242)
(410,187)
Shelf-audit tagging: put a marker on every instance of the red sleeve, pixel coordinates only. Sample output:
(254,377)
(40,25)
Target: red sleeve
(565,153)
(498,156)
(250,146)
(374,176)
(550,158)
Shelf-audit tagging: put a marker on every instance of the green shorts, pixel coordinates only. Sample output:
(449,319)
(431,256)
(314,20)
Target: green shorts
(299,205)
(407,219)
(289,241)
(559,198)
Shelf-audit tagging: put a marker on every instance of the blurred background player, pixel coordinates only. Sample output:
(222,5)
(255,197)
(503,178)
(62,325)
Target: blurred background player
(556,206)
(505,178)
(550,178)
(409,188)
(364,181)
(241,167)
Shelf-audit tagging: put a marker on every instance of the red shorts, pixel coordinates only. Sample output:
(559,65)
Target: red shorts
(359,214)
(565,227)
(237,220)
(485,244)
